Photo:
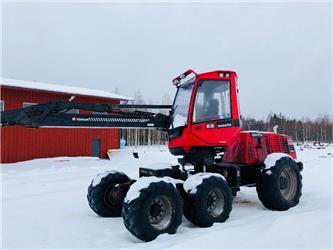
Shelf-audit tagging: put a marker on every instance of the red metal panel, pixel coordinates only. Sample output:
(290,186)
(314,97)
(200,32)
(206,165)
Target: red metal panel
(247,150)
(19,144)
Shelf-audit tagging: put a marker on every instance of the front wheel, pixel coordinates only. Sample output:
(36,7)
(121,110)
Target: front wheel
(152,207)
(208,199)
(280,187)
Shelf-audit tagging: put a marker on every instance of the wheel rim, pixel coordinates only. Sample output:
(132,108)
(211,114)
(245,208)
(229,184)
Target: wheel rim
(288,183)
(114,196)
(215,202)
(160,212)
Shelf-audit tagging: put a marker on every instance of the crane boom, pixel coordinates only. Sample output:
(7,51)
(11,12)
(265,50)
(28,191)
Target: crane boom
(108,115)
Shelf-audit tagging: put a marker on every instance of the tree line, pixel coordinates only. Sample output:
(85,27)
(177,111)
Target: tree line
(301,130)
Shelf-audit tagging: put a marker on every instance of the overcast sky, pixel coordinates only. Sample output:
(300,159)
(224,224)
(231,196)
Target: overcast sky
(282,52)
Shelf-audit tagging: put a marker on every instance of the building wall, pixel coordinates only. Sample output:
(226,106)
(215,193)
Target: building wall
(19,144)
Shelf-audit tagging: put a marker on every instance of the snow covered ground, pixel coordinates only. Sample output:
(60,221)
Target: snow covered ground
(44,205)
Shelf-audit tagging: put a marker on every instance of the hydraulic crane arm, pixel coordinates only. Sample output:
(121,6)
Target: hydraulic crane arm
(54,114)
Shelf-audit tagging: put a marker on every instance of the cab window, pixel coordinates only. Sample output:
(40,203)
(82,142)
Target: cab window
(212,101)
(181,104)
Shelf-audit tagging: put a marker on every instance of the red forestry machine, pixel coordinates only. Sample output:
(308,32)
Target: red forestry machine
(215,159)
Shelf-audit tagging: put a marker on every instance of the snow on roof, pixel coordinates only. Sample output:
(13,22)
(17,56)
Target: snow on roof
(60,88)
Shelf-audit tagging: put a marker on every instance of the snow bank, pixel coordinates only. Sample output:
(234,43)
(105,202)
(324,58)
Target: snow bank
(272,158)
(190,185)
(97,180)
(144,182)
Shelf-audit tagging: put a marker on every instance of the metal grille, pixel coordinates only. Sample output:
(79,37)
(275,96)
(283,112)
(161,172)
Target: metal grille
(277,145)
(285,145)
(268,145)
(250,150)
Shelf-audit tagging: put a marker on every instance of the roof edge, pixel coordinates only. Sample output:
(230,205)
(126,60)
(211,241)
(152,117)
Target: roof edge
(58,88)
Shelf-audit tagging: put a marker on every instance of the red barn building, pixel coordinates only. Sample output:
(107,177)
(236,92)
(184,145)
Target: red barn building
(20,144)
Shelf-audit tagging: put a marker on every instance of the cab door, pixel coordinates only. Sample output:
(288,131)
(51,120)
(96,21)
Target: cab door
(212,112)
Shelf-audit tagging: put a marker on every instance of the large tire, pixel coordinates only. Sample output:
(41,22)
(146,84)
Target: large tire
(105,195)
(158,209)
(280,187)
(212,201)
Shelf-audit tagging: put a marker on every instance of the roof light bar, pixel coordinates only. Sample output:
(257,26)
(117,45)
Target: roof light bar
(224,74)
(186,76)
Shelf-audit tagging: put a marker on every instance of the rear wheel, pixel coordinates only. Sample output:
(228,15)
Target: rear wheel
(280,187)
(106,193)
(155,209)
(209,202)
